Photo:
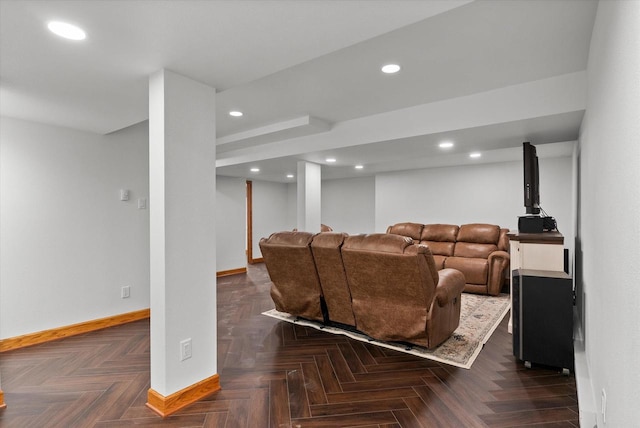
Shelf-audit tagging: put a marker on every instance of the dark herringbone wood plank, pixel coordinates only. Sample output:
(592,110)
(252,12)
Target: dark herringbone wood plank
(275,374)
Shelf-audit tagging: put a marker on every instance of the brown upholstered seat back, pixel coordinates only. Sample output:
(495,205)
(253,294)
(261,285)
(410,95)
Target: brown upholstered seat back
(477,240)
(475,270)
(392,284)
(412,230)
(296,286)
(441,238)
(326,249)
(440,232)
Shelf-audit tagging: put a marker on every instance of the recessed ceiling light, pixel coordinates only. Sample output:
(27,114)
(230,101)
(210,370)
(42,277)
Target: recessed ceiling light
(255,169)
(475,155)
(445,145)
(390,68)
(67,31)
(358,166)
(330,160)
(235,113)
(289,175)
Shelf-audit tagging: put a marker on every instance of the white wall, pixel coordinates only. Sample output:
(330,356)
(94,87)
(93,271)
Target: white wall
(483,193)
(292,203)
(309,197)
(270,211)
(68,244)
(557,191)
(609,212)
(348,205)
(182,185)
(231,223)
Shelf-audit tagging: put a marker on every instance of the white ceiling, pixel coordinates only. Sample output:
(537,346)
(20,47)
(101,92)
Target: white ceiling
(280,61)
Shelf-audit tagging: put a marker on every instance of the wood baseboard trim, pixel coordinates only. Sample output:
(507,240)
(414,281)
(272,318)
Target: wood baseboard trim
(231,272)
(2,403)
(254,261)
(165,406)
(31,339)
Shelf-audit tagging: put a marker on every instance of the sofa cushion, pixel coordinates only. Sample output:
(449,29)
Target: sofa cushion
(379,242)
(479,233)
(412,230)
(439,232)
(470,249)
(475,270)
(293,239)
(477,240)
(440,248)
(440,238)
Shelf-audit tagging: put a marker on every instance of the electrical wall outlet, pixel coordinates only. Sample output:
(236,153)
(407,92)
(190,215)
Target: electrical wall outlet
(125,292)
(604,406)
(185,349)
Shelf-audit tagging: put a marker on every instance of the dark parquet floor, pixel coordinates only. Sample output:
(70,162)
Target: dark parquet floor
(274,374)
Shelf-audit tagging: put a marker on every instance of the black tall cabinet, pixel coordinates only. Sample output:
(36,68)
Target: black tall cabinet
(542,305)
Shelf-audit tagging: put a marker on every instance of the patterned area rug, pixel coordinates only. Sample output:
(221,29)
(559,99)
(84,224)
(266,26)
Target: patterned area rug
(479,317)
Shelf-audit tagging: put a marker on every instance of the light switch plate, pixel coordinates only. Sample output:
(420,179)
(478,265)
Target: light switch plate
(185,349)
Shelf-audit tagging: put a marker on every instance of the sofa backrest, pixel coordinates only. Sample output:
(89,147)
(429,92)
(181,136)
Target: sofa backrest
(441,238)
(296,286)
(412,230)
(392,284)
(477,240)
(326,249)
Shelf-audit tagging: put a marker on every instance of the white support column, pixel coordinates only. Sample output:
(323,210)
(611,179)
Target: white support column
(309,196)
(182,188)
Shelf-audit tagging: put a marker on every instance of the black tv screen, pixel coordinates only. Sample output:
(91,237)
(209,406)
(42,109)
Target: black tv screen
(531,179)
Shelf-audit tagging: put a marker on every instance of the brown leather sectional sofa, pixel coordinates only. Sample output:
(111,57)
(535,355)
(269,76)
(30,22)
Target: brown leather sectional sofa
(383,285)
(479,251)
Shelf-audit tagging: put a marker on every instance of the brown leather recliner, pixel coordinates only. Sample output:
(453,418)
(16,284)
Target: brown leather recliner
(397,292)
(296,286)
(478,250)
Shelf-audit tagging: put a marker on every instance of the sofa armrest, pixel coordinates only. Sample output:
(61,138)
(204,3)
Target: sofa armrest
(450,285)
(498,262)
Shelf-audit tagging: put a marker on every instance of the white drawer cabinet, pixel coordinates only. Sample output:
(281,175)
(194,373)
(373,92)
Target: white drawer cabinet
(539,251)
